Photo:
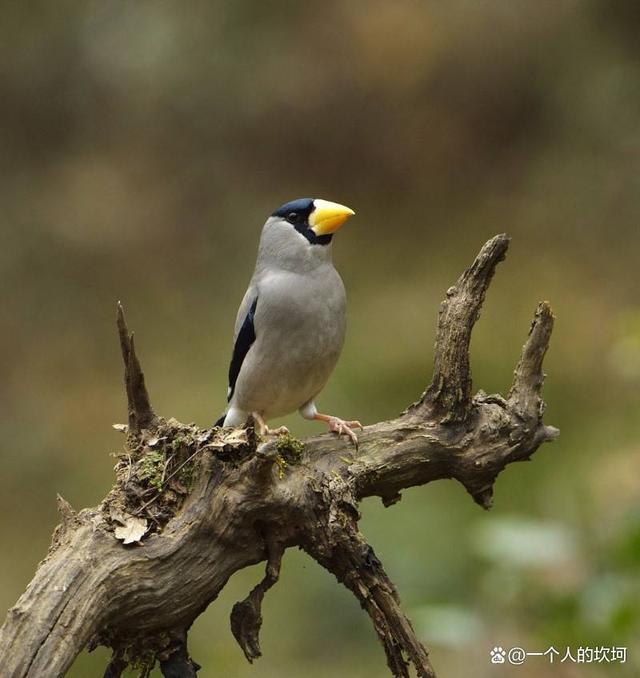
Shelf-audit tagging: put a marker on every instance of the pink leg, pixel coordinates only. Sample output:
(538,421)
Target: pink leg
(340,426)
(264,430)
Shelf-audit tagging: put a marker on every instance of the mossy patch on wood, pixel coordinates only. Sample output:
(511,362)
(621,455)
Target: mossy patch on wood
(289,452)
(156,470)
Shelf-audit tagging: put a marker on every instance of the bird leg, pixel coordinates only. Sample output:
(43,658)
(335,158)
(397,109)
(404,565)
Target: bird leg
(264,430)
(337,425)
(340,426)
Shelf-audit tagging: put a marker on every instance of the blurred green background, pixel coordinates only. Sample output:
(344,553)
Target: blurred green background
(143,146)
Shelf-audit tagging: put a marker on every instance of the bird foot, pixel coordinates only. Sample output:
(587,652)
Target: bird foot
(341,426)
(265,431)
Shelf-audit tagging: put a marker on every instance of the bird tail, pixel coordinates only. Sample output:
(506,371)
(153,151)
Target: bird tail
(220,421)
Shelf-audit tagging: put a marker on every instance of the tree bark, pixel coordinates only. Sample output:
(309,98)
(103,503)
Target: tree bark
(212,502)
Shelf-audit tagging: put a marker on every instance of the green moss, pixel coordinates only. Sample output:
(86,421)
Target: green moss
(152,467)
(289,452)
(289,448)
(282,466)
(187,476)
(179,441)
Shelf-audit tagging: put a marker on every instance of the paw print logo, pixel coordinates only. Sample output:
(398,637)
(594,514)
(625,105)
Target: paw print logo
(497,655)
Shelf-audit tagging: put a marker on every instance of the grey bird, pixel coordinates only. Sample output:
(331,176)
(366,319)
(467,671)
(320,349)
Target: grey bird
(291,323)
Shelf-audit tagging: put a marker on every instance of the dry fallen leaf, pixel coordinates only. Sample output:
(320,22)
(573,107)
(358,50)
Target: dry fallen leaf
(131,529)
(236,437)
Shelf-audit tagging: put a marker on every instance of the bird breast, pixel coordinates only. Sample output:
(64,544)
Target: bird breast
(300,328)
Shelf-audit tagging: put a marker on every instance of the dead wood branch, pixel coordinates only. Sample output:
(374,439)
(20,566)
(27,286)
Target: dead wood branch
(203,504)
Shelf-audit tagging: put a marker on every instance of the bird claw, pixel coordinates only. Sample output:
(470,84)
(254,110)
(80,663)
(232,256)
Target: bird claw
(341,426)
(264,430)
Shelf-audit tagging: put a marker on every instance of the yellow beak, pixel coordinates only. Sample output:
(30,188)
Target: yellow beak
(327,217)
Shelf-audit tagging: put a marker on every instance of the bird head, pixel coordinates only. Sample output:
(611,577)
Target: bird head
(316,220)
(296,236)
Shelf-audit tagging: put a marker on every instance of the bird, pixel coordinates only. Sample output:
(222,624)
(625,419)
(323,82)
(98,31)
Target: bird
(290,326)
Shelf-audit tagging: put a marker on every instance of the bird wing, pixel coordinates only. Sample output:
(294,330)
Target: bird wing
(245,335)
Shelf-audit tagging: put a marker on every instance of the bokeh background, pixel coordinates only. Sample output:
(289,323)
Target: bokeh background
(144,144)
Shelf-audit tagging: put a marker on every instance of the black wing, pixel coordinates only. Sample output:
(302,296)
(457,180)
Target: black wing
(244,340)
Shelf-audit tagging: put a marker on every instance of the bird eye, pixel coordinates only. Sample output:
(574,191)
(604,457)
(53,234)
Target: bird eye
(292,216)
